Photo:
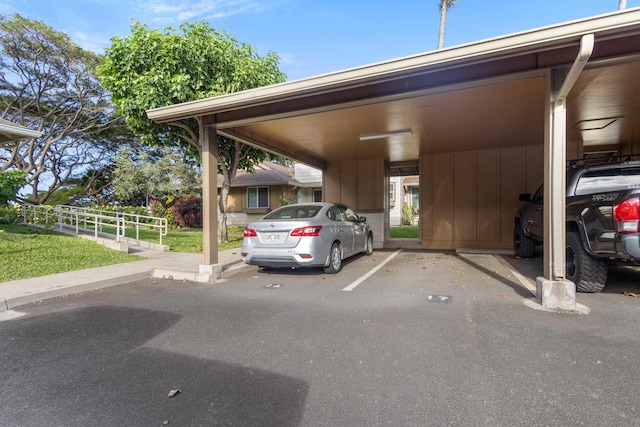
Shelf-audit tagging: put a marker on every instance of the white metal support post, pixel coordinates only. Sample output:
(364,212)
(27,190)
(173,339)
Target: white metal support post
(553,290)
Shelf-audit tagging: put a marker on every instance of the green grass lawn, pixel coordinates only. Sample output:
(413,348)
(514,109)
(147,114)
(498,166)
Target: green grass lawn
(182,239)
(190,239)
(27,251)
(404,232)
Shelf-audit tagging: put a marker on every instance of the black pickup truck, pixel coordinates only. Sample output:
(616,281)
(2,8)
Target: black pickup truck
(602,222)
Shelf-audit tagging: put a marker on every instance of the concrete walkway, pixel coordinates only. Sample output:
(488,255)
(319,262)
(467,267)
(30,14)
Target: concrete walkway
(175,265)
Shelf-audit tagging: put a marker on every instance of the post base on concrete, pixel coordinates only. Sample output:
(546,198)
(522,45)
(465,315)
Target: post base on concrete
(556,294)
(209,273)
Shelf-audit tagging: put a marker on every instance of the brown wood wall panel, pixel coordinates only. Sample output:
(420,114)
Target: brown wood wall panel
(361,184)
(512,175)
(365,184)
(534,168)
(464,195)
(331,183)
(442,196)
(236,200)
(469,199)
(426,198)
(275,191)
(381,185)
(488,195)
(349,183)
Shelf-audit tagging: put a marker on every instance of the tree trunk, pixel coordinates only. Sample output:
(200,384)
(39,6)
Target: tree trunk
(443,18)
(223,235)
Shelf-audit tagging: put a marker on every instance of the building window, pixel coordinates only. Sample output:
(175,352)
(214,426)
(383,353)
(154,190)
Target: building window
(257,197)
(392,191)
(317,194)
(415,196)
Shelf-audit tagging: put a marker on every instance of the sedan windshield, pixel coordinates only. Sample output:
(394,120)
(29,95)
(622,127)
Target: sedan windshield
(288,212)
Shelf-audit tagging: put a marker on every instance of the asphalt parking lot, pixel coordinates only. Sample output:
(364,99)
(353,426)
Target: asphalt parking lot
(398,338)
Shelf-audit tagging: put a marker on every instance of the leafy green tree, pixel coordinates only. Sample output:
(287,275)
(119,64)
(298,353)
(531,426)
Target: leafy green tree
(151,69)
(10,183)
(48,83)
(444,6)
(141,177)
(90,189)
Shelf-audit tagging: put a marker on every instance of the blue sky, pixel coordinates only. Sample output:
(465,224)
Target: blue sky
(313,37)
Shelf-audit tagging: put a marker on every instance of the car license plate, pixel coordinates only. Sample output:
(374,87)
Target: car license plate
(273,237)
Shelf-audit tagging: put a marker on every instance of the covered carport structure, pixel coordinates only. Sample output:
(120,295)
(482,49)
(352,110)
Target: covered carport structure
(480,123)
(10,133)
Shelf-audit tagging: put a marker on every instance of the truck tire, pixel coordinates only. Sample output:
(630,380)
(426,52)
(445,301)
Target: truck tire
(524,246)
(589,274)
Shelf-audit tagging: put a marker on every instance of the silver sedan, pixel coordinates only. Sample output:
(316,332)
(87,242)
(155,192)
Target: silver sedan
(307,235)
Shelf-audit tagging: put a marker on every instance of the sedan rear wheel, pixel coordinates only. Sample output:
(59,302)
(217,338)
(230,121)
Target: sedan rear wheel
(335,260)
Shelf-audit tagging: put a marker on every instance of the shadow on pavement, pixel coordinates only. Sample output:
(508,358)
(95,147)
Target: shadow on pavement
(512,283)
(87,367)
(622,279)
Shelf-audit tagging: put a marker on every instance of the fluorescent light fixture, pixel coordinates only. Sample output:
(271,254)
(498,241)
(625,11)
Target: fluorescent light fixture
(404,132)
(595,124)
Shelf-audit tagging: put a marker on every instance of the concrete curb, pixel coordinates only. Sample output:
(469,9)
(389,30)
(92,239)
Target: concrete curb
(84,284)
(59,291)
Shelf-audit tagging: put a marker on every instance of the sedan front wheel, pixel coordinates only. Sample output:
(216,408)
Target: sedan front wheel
(368,249)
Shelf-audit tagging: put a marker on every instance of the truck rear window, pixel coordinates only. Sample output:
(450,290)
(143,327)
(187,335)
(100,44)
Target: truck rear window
(608,180)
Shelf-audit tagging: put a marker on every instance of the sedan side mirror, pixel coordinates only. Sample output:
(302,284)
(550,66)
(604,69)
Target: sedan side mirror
(362,219)
(525,197)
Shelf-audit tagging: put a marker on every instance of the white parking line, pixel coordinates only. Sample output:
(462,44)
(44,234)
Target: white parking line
(366,276)
(529,284)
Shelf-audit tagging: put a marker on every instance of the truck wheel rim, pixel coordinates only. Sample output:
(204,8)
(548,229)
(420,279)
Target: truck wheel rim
(571,265)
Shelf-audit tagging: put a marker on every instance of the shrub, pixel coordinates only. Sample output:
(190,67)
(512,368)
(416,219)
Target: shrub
(159,210)
(10,215)
(284,200)
(408,212)
(188,212)
(10,183)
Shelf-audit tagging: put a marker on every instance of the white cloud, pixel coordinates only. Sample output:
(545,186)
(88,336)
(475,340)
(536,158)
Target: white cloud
(290,65)
(185,10)
(91,42)
(289,60)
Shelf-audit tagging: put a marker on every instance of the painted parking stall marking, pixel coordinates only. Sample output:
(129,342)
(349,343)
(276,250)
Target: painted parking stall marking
(370,273)
(439,298)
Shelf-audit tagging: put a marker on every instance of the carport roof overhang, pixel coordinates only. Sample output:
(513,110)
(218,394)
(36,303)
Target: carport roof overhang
(11,132)
(480,95)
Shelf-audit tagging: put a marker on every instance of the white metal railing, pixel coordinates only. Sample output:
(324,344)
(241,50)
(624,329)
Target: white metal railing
(96,220)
